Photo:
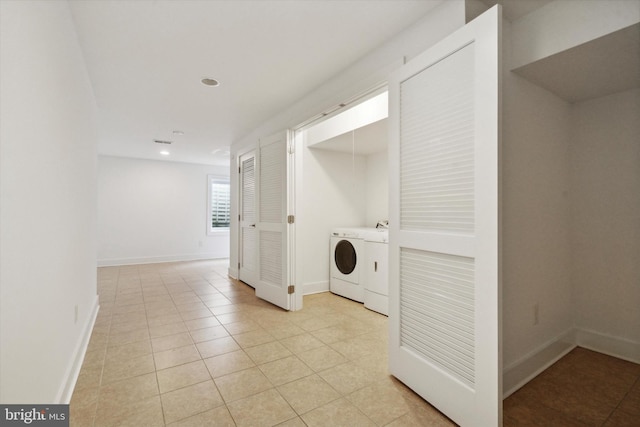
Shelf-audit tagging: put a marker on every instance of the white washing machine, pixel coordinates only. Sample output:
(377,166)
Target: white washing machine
(347,260)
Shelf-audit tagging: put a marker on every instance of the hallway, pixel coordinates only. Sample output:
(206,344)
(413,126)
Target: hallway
(180,344)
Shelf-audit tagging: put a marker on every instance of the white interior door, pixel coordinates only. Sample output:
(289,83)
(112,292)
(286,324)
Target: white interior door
(247,259)
(444,224)
(272,227)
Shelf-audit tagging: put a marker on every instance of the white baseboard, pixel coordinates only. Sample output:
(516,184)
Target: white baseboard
(114,262)
(315,287)
(520,372)
(233,273)
(612,346)
(73,369)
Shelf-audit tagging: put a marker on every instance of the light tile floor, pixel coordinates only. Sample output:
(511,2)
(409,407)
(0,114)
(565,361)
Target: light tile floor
(180,344)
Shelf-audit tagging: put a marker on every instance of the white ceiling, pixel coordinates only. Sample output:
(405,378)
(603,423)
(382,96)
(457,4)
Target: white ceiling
(515,9)
(146,58)
(603,66)
(364,140)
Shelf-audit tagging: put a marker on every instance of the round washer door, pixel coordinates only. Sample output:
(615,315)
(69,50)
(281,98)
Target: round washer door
(345,257)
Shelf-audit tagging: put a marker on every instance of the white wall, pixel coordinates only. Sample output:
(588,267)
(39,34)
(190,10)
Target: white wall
(332,195)
(364,74)
(536,217)
(377,188)
(605,188)
(47,203)
(155,211)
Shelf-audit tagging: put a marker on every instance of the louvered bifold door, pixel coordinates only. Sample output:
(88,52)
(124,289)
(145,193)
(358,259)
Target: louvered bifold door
(444,281)
(272,224)
(248,231)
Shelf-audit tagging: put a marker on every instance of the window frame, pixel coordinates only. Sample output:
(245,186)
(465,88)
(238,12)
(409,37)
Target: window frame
(211,180)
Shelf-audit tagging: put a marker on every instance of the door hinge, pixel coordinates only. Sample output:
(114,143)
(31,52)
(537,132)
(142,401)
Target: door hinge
(239,169)
(238,217)
(291,289)
(290,219)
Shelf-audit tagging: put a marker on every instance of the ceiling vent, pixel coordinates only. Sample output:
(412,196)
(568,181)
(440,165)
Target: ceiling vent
(160,141)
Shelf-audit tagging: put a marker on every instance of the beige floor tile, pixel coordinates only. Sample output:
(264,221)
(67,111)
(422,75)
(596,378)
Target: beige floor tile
(189,401)
(267,352)
(147,412)
(293,422)
(208,334)
(185,298)
(281,330)
(168,329)
(266,409)
(159,305)
(322,358)
(308,393)
(359,347)
(181,376)
(339,413)
(347,377)
(202,322)
(186,308)
(199,313)
(341,341)
(381,402)
(218,417)
(176,356)
(299,343)
(120,370)
(130,390)
(153,313)
(377,364)
(127,351)
(239,385)
(253,338)
(316,322)
(224,309)
(164,319)
(123,338)
(216,347)
(240,326)
(94,359)
(228,363)
(285,370)
(134,308)
(233,317)
(171,341)
(119,328)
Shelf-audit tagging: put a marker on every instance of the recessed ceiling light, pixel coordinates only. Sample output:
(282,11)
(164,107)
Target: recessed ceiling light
(210,82)
(164,153)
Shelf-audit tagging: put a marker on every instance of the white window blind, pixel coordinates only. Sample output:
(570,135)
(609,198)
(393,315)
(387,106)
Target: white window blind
(219,203)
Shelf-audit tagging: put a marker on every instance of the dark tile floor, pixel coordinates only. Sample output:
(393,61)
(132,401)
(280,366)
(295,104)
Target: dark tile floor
(584,388)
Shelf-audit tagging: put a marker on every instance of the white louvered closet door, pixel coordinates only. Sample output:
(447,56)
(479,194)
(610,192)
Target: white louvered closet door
(444,254)
(272,283)
(247,271)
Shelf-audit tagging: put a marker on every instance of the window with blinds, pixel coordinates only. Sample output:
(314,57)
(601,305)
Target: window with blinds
(219,206)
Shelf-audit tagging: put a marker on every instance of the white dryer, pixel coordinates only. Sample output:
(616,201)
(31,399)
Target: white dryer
(347,261)
(376,271)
